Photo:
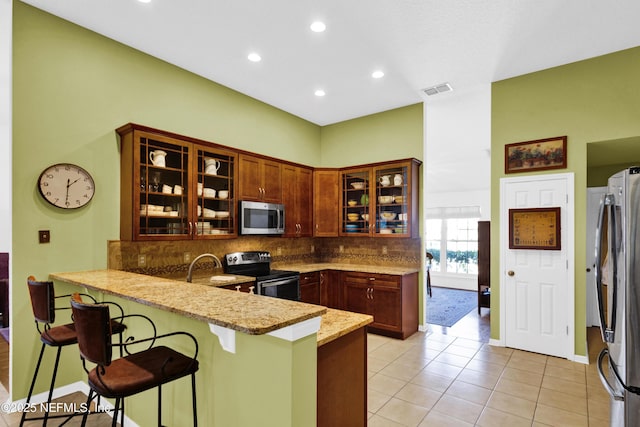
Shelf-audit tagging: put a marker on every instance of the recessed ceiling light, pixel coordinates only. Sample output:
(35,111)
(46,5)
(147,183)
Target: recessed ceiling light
(254,57)
(144,1)
(378,74)
(318,27)
(320,92)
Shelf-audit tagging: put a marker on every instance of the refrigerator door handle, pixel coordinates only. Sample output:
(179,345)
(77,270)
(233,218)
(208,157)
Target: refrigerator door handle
(603,378)
(606,204)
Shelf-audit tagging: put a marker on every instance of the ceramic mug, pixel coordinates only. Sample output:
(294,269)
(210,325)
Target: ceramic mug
(157,158)
(223,194)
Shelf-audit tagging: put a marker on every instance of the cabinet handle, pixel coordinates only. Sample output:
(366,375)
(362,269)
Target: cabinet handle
(190,228)
(372,278)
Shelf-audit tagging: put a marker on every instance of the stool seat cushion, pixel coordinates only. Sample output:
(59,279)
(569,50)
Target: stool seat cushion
(141,371)
(59,336)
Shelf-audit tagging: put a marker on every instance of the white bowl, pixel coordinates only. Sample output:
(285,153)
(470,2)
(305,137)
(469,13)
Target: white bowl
(386,231)
(388,215)
(209,192)
(365,217)
(208,213)
(223,194)
(385,199)
(358,185)
(222,214)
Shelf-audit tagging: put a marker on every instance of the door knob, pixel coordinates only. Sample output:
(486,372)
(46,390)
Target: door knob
(511,273)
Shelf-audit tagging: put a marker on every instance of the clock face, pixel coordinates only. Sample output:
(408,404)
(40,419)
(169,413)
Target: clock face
(66,186)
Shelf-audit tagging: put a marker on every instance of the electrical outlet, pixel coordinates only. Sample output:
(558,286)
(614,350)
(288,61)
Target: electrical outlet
(279,251)
(313,249)
(142,260)
(341,249)
(44,236)
(384,250)
(186,257)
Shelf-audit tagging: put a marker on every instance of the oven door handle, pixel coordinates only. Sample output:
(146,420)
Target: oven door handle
(277,282)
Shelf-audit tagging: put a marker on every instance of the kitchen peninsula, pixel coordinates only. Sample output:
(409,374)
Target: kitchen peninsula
(271,349)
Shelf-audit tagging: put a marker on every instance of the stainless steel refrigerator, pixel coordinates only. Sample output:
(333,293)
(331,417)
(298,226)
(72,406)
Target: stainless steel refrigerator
(618,291)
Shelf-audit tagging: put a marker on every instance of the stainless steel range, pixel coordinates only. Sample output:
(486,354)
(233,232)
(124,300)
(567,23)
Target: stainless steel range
(274,283)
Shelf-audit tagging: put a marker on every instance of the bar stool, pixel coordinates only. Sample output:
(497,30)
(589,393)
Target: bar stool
(133,373)
(44,311)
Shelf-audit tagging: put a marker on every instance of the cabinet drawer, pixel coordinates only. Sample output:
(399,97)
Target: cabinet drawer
(309,277)
(368,279)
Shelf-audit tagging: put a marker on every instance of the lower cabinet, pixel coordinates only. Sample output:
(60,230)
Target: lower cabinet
(310,287)
(342,381)
(330,289)
(391,300)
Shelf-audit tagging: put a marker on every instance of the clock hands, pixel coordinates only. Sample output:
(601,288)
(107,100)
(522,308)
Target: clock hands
(67,197)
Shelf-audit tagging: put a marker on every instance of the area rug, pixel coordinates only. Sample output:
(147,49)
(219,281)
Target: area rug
(447,306)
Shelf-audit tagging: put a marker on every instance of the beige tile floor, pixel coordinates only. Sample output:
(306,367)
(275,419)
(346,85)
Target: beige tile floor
(438,379)
(434,379)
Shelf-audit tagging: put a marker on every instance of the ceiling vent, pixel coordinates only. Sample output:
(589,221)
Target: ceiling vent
(434,90)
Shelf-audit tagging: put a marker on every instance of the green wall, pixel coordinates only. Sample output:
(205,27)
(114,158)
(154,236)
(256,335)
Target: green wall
(592,100)
(71,89)
(393,134)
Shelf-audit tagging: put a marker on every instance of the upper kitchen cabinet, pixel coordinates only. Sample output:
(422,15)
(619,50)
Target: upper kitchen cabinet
(260,179)
(380,200)
(174,187)
(297,197)
(326,196)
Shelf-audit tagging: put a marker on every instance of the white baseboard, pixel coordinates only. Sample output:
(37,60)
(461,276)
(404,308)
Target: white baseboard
(64,391)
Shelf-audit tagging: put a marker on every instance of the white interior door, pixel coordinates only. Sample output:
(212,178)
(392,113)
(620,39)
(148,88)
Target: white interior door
(594,194)
(536,285)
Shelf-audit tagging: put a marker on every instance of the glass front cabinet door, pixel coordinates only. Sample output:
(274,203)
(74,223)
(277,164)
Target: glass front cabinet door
(173,189)
(380,200)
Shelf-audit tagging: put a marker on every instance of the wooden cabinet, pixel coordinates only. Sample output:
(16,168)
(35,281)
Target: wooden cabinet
(174,187)
(310,287)
(260,179)
(342,381)
(297,196)
(330,289)
(391,300)
(380,200)
(484,264)
(326,196)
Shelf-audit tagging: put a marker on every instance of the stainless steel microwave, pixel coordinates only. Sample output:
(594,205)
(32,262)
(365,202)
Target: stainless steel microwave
(261,218)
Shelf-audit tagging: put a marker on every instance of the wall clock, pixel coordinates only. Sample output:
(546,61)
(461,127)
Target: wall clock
(66,186)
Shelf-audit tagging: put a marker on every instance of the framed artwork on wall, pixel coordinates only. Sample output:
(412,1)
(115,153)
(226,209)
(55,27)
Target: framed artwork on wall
(541,154)
(534,228)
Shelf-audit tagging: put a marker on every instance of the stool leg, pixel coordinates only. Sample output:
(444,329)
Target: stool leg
(160,405)
(53,381)
(193,398)
(86,414)
(33,383)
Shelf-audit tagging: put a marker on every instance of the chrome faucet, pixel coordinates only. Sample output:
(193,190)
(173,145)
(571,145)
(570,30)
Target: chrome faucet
(216,264)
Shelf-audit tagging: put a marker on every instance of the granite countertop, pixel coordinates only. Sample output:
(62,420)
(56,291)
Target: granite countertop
(251,314)
(247,313)
(362,268)
(337,323)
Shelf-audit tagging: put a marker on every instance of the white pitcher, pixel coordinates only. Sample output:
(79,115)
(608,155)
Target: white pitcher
(211,166)
(385,180)
(157,158)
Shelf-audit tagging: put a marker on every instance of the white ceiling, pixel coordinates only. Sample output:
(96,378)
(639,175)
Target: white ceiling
(417,43)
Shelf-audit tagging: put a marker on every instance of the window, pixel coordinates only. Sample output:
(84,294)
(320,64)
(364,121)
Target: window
(453,242)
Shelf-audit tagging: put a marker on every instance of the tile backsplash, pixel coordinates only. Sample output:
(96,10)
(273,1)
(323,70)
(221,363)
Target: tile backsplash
(161,258)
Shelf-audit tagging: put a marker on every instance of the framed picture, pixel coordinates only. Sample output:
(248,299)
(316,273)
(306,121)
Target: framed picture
(550,153)
(534,228)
